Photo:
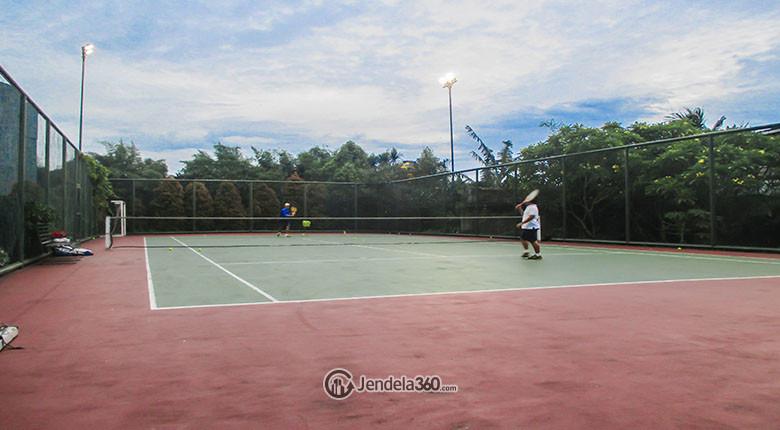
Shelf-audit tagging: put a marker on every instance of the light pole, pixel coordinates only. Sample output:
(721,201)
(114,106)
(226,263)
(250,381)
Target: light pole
(447,81)
(85,50)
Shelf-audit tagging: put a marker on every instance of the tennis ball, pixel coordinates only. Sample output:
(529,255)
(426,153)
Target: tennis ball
(679,248)
(170,249)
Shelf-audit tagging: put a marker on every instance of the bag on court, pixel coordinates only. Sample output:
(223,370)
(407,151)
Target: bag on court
(69,251)
(7,334)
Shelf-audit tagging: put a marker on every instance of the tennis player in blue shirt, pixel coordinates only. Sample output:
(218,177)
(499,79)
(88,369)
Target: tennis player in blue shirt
(284,224)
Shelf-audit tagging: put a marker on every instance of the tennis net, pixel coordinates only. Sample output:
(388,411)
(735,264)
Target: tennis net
(253,231)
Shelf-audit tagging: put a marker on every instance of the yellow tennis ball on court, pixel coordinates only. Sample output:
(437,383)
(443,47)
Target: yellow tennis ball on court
(679,248)
(170,249)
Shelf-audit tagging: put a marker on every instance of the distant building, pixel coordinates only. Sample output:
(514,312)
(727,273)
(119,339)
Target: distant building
(408,164)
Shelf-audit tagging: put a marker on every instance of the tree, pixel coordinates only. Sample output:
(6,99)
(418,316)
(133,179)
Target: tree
(275,164)
(264,201)
(311,164)
(593,181)
(228,163)
(695,117)
(102,191)
(168,201)
(124,161)
(486,156)
(293,190)
(201,206)
(387,158)
(428,164)
(349,163)
(227,203)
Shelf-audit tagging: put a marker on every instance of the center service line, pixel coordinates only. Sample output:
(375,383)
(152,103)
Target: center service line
(268,296)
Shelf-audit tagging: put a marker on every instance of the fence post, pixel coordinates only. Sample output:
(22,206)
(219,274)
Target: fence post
(132,204)
(20,178)
(194,206)
(563,196)
(305,200)
(47,181)
(712,189)
(65,204)
(515,198)
(355,208)
(78,221)
(627,196)
(251,206)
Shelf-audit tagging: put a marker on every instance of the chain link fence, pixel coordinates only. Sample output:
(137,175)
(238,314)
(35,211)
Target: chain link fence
(43,179)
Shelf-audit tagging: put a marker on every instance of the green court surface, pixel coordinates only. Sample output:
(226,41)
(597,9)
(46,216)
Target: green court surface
(216,270)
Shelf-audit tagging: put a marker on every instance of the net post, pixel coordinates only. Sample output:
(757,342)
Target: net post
(108,232)
(626,194)
(711,144)
(123,214)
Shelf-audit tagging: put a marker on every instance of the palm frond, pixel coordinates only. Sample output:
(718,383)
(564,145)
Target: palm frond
(487,158)
(695,116)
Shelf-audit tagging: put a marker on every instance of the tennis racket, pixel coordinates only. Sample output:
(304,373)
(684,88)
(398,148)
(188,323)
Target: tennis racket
(293,210)
(519,207)
(532,195)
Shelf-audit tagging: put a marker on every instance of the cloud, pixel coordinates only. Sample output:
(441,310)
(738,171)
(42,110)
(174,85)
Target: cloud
(295,74)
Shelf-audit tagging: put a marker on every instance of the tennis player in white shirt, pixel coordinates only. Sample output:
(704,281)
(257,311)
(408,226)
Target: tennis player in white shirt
(529,228)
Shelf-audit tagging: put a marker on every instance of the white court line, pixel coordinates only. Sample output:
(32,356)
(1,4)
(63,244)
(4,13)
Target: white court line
(268,296)
(496,290)
(755,260)
(590,250)
(369,259)
(373,247)
(149,283)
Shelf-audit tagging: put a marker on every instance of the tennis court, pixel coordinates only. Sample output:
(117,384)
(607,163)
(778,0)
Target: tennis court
(237,330)
(217,270)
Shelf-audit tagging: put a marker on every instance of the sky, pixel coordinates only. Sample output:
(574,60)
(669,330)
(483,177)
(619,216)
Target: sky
(177,77)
